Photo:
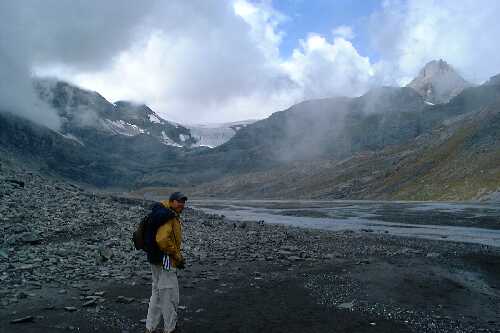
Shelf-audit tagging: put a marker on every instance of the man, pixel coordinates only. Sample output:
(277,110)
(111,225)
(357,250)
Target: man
(163,239)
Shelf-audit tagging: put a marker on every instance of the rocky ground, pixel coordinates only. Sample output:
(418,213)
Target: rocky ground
(67,264)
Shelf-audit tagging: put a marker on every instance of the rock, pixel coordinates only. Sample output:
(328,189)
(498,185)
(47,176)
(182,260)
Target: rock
(22,295)
(432,255)
(363,261)
(124,300)
(27,238)
(346,306)
(16,182)
(70,308)
(90,302)
(27,319)
(105,253)
(332,255)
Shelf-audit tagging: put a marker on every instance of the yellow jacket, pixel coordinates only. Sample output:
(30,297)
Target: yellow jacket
(169,237)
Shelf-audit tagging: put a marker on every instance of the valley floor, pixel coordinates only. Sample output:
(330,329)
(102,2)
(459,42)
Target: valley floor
(249,277)
(67,264)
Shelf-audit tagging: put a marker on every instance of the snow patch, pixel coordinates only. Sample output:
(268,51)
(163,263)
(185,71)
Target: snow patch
(166,140)
(123,128)
(154,119)
(213,135)
(71,137)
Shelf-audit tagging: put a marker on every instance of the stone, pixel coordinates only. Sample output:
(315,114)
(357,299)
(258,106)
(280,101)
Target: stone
(124,300)
(27,319)
(346,306)
(105,253)
(90,302)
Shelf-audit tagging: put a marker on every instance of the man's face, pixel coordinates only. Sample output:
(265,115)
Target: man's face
(178,206)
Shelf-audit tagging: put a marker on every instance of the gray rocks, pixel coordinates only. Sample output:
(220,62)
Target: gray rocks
(346,306)
(26,319)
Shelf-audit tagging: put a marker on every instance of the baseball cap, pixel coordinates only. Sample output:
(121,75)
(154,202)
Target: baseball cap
(178,196)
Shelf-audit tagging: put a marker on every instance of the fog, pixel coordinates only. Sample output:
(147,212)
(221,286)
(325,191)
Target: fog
(82,34)
(218,61)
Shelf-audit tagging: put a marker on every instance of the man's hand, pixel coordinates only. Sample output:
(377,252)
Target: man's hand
(181,263)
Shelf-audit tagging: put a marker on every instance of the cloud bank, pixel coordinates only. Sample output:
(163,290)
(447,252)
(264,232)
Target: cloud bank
(408,34)
(212,61)
(81,34)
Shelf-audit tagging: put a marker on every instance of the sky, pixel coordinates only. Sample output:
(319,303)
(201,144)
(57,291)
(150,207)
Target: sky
(209,61)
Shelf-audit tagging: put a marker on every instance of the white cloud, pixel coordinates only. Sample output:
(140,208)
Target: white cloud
(343,31)
(220,61)
(208,64)
(213,61)
(81,34)
(407,34)
(324,69)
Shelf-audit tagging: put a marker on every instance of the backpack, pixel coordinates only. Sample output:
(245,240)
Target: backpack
(145,231)
(139,235)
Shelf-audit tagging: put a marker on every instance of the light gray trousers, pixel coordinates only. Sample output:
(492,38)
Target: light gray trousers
(164,299)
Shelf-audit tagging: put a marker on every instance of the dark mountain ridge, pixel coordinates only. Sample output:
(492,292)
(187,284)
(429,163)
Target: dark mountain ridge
(457,160)
(128,145)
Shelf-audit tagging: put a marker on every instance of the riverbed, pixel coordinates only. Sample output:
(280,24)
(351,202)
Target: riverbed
(477,223)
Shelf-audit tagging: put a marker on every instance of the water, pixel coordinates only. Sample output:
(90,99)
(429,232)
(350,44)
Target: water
(462,222)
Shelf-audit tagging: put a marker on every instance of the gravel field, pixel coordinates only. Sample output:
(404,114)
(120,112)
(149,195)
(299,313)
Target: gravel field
(67,264)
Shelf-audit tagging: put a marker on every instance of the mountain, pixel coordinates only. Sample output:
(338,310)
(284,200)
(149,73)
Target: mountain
(99,144)
(438,82)
(493,81)
(389,143)
(332,127)
(458,159)
(213,135)
(85,113)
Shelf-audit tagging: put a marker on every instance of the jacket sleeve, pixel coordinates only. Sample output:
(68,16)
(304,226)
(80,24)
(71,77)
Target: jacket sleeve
(166,242)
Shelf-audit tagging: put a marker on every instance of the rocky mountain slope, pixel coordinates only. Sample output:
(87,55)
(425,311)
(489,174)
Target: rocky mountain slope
(86,112)
(457,159)
(328,148)
(438,82)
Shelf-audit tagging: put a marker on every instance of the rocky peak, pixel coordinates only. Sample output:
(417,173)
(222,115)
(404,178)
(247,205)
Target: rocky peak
(438,82)
(493,81)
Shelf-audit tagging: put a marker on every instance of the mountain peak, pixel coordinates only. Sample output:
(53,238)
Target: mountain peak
(493,81)
(438,82)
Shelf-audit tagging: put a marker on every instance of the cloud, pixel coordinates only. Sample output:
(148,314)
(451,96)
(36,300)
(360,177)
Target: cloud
(212,61)
(324,69)
(343,31)
(79,34)
(408,34)
(200,62)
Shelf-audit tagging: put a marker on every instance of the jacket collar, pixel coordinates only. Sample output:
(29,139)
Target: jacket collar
(166,204)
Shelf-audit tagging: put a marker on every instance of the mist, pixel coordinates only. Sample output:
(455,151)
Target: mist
(75,34)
